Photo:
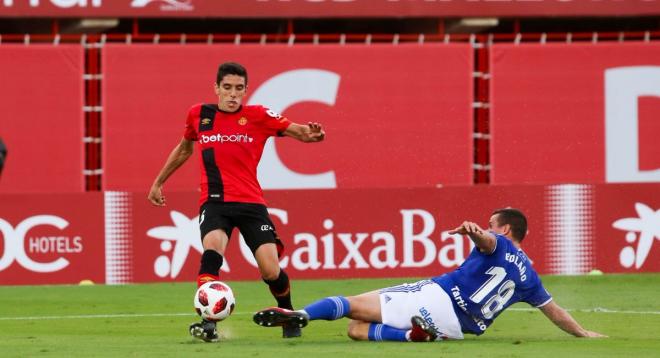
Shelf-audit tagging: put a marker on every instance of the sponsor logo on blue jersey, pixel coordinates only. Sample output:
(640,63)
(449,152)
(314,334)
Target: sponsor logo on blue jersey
(460,302)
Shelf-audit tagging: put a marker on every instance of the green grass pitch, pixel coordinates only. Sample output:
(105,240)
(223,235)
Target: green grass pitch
(152,320)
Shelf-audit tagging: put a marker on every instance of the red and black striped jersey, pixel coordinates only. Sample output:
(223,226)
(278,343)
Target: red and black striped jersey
(230,146)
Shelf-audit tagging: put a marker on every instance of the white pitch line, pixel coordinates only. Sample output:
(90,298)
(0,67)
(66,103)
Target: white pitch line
(95,316)
(137,315)
(588,310)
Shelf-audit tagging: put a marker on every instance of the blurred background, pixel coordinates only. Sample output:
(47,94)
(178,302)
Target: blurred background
(436,112)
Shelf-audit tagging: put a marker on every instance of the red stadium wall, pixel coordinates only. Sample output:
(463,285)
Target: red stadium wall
(560,113)
(41,118)
(345,233)
(399,129)
(585,113)
(399,117)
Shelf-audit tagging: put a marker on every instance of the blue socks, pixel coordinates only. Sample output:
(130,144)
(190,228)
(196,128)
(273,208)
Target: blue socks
(383,332)
(329,308)
(336,307)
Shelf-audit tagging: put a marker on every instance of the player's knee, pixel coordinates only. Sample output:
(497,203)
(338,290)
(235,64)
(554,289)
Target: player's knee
(269,269)
(269,265)
(356,330)
(215,240)
(270,273)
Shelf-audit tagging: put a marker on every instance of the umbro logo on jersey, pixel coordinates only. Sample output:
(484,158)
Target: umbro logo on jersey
(206,121)
(224,138)
(274,114)
(243,121)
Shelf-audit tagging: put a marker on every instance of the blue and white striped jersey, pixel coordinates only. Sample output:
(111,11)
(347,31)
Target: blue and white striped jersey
(486,284)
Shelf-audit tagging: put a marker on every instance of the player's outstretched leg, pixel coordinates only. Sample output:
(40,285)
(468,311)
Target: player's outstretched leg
(205,330)
(421,331)
(329,308)
(281,317)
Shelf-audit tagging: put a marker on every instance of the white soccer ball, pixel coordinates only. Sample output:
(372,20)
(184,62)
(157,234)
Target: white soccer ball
(214,301)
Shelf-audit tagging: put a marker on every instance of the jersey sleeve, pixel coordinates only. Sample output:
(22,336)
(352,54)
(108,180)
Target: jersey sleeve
(501,243)
(538,296)
(189,132)
(274,123)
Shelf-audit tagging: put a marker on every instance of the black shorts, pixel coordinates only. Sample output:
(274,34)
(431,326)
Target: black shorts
(252,220)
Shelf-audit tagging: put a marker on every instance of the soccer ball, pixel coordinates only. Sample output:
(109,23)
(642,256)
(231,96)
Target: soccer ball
(214,301)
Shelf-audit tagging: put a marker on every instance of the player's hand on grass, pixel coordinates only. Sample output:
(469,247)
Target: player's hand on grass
(156,196)
(591,334)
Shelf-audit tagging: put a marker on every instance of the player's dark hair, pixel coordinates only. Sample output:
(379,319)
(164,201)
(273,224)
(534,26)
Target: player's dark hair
(231,68)
(516,219)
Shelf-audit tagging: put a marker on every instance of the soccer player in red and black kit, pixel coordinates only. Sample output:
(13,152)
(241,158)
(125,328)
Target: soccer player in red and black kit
(231,139)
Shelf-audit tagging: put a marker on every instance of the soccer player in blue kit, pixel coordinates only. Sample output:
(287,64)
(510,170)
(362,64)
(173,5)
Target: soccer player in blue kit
(496,275)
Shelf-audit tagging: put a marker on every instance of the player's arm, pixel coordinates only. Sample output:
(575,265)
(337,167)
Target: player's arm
(565,321)
(311,132)
(483,239)
(177,157)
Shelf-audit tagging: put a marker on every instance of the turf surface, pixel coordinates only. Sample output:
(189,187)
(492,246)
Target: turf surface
(152,320)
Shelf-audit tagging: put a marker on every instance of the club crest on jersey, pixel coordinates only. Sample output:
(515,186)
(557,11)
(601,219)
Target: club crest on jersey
(243,121)
(206,121)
